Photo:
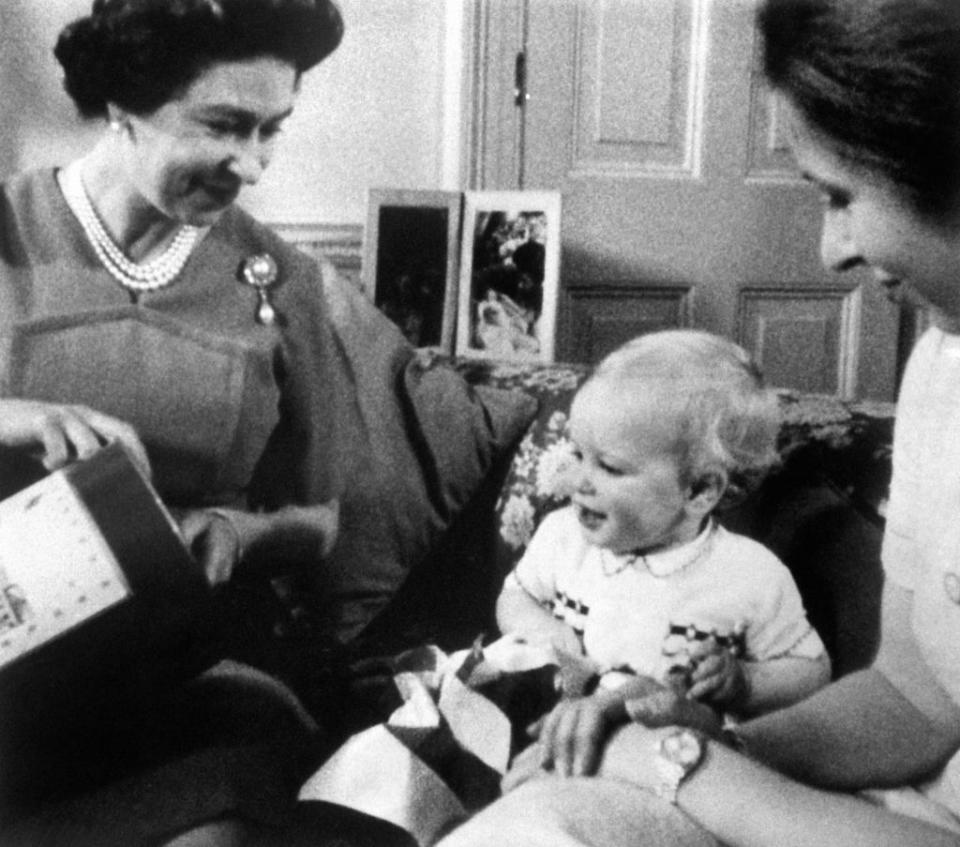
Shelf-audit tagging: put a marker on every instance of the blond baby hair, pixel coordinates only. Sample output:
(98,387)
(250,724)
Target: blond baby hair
(707,392)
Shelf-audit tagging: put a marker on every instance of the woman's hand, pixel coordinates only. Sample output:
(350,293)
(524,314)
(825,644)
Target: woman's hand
(221,539)
(572,736)
(61,433)
(670,708)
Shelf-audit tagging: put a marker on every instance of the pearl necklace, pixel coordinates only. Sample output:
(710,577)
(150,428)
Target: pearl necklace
(139,277)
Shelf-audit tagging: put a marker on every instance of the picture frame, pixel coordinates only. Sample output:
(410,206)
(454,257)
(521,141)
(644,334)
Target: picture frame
(411,254)
(509,275)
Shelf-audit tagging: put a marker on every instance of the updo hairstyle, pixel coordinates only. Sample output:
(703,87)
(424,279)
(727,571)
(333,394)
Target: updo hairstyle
(880,79)
(708,395)
(140,54)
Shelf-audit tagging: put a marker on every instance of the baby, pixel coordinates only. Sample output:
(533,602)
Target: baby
(675,618)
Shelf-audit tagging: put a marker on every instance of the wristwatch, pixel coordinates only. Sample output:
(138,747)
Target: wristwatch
(678,755)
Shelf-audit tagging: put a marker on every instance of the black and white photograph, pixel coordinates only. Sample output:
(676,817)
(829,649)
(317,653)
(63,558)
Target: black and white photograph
(454,423)
(509,276)
(411,256)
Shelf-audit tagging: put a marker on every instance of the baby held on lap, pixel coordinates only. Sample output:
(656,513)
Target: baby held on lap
(657,613)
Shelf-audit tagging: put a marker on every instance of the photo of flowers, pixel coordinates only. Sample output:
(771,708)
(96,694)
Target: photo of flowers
(509,275)
(410,259)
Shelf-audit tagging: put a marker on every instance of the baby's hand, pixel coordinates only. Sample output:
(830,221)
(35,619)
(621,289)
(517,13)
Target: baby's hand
(572,736)
(717,676)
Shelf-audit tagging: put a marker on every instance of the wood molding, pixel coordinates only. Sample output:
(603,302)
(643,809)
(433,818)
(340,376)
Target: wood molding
(340,244)
(776,315)
(598,317)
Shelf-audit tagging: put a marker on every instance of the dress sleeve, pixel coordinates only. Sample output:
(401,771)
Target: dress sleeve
(898,553)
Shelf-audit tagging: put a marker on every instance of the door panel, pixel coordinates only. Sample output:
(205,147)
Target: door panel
(650,117)
(601,318)
(804,338)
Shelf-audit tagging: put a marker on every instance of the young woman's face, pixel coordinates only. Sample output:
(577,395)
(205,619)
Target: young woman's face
(190,158)
(867,221)
(628,493)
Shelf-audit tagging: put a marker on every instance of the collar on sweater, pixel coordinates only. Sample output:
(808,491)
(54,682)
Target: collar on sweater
(665,562)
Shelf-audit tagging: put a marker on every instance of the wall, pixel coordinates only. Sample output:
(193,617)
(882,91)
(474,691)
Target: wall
(378,112)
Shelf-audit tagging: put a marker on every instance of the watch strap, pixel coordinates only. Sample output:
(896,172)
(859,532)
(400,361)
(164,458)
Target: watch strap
(678,755)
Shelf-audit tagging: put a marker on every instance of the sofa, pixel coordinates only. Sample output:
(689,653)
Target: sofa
(448,464)
(821,510)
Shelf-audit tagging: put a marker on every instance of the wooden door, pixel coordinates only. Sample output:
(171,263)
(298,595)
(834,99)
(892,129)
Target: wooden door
(681,203)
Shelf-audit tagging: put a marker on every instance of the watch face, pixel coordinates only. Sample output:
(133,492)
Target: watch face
(683,747)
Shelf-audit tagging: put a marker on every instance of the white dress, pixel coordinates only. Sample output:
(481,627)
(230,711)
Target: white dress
(921,548)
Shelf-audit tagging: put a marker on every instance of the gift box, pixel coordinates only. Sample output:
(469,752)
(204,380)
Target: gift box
(99,598)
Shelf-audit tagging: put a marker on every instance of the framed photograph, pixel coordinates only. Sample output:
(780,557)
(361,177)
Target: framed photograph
(411,253)
(509,275)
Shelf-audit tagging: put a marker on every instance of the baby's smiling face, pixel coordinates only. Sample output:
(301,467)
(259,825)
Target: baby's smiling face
(628,488)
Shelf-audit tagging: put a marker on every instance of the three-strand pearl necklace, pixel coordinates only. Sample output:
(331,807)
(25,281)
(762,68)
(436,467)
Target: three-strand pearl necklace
(139,277)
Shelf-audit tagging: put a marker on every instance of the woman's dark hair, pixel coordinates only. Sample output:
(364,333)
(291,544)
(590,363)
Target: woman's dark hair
(139,54)
(881,80)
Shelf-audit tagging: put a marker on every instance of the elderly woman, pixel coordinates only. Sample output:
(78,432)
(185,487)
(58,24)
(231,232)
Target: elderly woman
(872,92)
(138,304)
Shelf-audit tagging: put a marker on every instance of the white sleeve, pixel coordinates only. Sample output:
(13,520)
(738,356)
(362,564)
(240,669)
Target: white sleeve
(898,553)
(779,626)
(536,572)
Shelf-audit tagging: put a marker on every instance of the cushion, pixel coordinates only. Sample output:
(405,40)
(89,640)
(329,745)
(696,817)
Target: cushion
(416,442)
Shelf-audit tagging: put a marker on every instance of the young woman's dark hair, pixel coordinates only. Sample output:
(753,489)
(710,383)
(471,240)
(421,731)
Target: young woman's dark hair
(139,54)
(881,80)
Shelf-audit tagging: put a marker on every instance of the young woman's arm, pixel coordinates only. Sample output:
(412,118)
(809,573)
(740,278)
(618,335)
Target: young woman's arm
(745,804)
(888,725)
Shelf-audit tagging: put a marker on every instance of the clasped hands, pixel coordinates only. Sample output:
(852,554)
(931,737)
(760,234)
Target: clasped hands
(220,539)
(571,739)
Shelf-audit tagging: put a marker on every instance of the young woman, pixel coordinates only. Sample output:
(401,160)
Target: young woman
(872,91)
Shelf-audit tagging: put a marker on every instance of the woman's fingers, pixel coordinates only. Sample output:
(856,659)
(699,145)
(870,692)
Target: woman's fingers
(571,736)
(112,429)
(67,435)
(63,433)
(590,738)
